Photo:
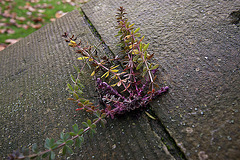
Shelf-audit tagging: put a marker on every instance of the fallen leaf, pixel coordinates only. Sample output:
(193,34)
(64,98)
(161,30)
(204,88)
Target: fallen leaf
(34,1)
(44,5)
(2,46)
(21,18)
(12,21)
(13,15)
(6,13)
(31,9)
(2,2)
(8,0)
(3,30)
(25,26)
(59,14)
(18,25)
(52,19)
(36,26)
(12,41)
(10,31)
(2,24)
(41,10)
(50,7)
(27,4)
(29,13)
(37,20)
(3,20)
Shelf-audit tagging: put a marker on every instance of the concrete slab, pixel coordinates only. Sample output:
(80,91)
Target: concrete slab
(199,53)
(33,99)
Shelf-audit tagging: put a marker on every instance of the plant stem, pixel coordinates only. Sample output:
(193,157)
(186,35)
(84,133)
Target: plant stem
(60,145)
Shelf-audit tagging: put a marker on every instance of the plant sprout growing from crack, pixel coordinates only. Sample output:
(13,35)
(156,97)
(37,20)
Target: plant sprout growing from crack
(126,82)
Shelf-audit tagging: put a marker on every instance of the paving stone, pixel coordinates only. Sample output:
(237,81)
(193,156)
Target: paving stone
(198,49)
(33,98)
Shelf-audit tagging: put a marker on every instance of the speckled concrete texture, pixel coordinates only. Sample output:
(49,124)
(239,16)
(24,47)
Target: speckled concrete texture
(33,99)
(198,49)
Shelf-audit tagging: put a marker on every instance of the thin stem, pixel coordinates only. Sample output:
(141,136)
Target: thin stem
(60,145)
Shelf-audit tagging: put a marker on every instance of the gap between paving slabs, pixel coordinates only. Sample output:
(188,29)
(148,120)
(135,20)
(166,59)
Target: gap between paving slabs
(158,128)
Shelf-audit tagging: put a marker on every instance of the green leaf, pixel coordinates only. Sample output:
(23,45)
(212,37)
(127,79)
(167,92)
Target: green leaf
(52,156)
(80,131)
(92,131)
(79,84)
(144,71)
(25,151)
(81,138)
(140,46)
(82,100)
(76,87)
(155,67)
(86,102)
(79,141)
(55,145)
(94,120)
(60,141)
(145,55)
(77,68)
(70,141)
(62,135)
(39,158)
(72,134)
(34,157)
(131,25)
(51,143)
(71,92)
(70,87)
(139,65)
(75,95)
(93,126)
(150,66)
(136,30)
(75,128)
(89,122)
(35,148)
(66,136)
(45,155)
(136,58)
(64,150)
(98,114)
(103,122)
(103,115)
(145,47)
(69,150)
(47,143)
(79,92)
(85,124)
(73,79)
(137,35)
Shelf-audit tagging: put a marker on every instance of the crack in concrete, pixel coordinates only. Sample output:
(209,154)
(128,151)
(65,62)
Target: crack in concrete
(96,34)
(170,146)
(161,132)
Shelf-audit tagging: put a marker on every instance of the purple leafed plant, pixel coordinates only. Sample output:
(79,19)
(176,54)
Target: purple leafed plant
(131,84)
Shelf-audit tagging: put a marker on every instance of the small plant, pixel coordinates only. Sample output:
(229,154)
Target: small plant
(131,84)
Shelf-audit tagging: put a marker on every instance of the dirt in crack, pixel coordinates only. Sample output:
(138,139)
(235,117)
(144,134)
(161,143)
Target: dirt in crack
(158,127)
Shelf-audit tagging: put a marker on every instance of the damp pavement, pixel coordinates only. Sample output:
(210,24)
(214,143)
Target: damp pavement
(197,46)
